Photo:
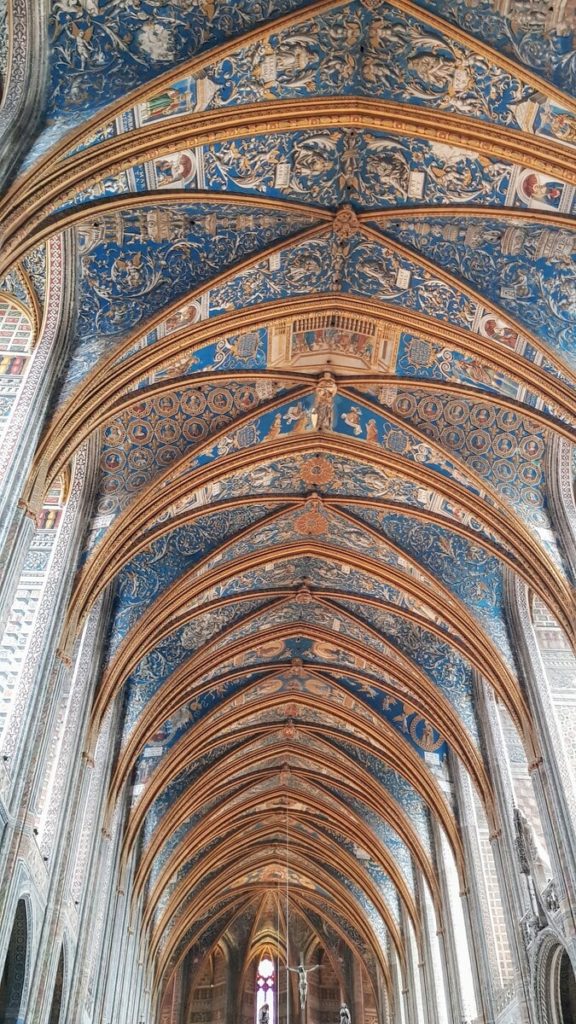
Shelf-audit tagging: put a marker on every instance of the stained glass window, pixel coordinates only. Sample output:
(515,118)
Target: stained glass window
(265,984)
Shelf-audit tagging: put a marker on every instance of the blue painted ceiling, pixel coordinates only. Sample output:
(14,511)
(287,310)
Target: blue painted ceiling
(327,365)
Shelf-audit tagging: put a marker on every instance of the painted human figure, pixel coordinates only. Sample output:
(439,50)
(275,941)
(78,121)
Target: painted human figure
(345,1017)
(326,391)
(303,973)
(264,1016)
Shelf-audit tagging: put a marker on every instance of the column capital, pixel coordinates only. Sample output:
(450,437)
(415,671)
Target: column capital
(64,658)
(27,509)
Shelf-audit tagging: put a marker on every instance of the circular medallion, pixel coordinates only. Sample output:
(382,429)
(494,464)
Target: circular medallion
(113,460)
(482,415)
(456,411)
(166,405)
(140,458)
(136,481)
(405,405)
(220,400)
(430,408)
(530,474)
(139,431)
(193,402)
(503,470)
(480,465)
(532,447)
(194,429)
(317,471)
(114,434)
(453,438)
(311,524)
(166,456)
(508,419)
(505,445)
(532,497)
(478,441)
(167,431)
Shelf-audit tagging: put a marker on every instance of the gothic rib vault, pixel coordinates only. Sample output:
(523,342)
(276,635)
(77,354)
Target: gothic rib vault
(323,365)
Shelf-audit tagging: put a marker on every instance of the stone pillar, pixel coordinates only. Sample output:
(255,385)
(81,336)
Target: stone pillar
(22,532)
(384,1000)
(124,957)
(41,678)
(57,841)
(413,972)
(117,943)
(357,1008)
(512,891)
(133,968)
(28,416)
(433,985)
(98,894)
(476,898)
(145,1015)
(404,1002)
(562,503)
(455,999)
(27,78)
(552,772)
(28,717)
(400,989)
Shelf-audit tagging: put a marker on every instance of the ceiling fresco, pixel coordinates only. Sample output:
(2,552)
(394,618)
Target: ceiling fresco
(354,48)
(263,785)
(539,35)
(386,842)
(442,551)
(527,268)
(463,425)
(366,267)
(373,170)
(322,342)
(133,264)
(333,475)
(360,696)
(101,50)
(153,433)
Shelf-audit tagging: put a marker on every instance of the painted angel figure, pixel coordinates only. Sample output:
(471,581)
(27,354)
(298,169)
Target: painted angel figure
(303,973)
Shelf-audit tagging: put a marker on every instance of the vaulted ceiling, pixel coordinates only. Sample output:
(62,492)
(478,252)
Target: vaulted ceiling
(325,336)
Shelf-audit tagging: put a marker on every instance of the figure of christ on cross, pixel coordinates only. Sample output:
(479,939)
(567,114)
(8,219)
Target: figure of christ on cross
(303,973)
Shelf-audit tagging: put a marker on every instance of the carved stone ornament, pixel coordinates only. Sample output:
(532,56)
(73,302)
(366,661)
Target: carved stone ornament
(346,222)
(550,897)
(530,927)
(521,847)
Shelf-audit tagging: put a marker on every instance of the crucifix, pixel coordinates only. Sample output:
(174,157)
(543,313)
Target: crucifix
(303,973)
